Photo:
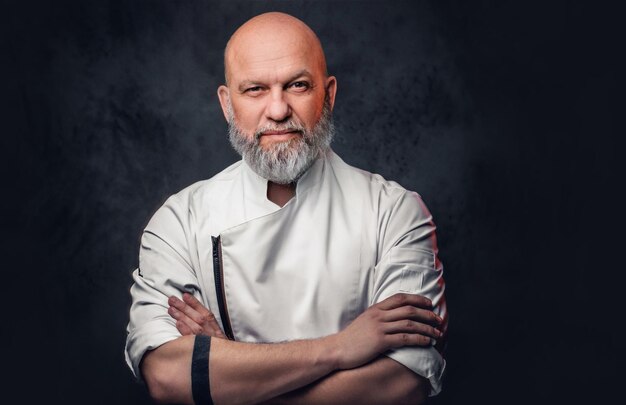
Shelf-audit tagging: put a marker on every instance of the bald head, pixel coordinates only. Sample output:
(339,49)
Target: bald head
(277,88)
(278,97)
(272,36)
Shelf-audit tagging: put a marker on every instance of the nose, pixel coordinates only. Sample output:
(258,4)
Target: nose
(277,108)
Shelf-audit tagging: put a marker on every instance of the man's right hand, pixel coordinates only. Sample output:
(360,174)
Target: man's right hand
(400,320)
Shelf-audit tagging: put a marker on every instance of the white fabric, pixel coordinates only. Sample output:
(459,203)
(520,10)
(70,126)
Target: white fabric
(347,240)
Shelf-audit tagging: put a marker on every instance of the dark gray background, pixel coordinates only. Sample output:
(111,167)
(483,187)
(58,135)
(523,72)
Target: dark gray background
(502,115)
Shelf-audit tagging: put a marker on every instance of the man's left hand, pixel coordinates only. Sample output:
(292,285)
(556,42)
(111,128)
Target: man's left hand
(192,318)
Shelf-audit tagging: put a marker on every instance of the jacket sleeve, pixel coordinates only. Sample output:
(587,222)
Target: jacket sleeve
(165,269)
(409,263)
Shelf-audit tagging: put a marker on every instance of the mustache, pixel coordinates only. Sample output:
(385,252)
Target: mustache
(289,126)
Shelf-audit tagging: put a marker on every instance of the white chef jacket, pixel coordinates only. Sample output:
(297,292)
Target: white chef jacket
(347,240)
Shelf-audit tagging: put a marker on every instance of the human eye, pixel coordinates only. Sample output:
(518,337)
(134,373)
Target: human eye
(299,86)
(253,90)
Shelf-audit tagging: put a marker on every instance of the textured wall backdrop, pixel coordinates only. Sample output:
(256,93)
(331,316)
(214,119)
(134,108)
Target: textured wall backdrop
(499,114)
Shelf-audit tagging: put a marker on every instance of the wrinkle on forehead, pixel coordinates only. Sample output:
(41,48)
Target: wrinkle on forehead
(272,37)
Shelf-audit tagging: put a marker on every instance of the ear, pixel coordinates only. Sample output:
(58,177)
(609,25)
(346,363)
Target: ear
(223,93)
(331,90)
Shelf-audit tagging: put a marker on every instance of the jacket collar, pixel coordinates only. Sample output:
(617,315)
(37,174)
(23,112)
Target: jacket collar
(255,186)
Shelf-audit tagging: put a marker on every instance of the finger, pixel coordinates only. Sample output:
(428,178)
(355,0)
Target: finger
(208,319)
(402,299)
(187,310)
(183,328)
(189,299)
(413,313)
(177,303)
(204,315)
(174,313)
(409,326)
(198,323)
(407,339)
(210,324)
(180,316)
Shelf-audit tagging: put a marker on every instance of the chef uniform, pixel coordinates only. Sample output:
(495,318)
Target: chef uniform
(347,240)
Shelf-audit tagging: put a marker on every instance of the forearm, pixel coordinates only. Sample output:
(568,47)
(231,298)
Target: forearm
(382,381)
(239,373)
(242,373)
(167,371)
(250,373)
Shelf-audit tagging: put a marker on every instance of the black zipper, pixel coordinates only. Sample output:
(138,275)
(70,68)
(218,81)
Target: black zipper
(218,273)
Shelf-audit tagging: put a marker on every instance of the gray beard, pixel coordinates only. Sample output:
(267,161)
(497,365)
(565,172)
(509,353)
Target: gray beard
(283,162)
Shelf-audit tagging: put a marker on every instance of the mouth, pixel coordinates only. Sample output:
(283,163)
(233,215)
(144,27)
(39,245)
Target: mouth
(280,135)
(281,132)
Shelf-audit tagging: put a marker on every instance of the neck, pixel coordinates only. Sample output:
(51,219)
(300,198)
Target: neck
(280,194)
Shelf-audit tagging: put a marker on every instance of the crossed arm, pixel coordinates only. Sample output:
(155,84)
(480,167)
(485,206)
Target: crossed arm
(345,367)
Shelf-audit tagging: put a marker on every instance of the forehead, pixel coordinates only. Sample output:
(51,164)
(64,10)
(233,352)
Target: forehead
(273,57)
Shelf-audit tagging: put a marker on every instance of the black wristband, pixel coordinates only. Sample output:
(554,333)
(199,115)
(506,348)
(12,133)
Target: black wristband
(200,387)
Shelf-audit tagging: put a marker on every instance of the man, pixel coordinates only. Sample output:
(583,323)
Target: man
(315,281)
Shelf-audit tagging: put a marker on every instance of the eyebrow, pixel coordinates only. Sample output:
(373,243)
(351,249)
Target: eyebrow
(248,83)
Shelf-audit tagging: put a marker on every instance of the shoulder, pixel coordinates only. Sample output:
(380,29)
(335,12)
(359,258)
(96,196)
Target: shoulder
(384,193)
(208,187)
(180,205)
